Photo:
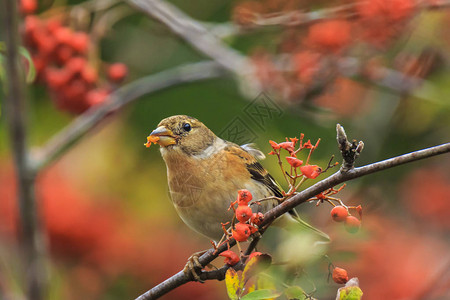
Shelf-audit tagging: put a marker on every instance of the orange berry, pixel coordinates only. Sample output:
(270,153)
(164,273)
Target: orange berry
(117,72)
(339,213)
(231,258)
(295,162)
(257,218)
(28,6)
(340,275)
(311,171)
(243,213)
(331,36)
(288,146)
(274,145)
(76,64)
(80,42)
(244,197)
(352,224)
(89,74)
(241,232)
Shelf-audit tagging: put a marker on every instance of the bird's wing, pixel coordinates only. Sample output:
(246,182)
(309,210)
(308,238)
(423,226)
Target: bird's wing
(247,154)
(253,150)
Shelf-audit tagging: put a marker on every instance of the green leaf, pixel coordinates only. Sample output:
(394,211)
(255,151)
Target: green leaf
(261,294)
(232,283)
(295,292)
(350,293)
(264,282)
(255,265)
(31,69)
(24,52)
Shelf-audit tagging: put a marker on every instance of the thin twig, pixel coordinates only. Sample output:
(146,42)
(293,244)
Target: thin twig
(195,34)
(180,278)
(31,235)
(63,140)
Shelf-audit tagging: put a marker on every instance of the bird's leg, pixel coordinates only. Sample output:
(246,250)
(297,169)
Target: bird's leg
(194,267)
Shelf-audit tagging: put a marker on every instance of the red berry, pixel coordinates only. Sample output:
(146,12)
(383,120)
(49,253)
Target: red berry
(28,6)
(288,146)
(63,35)
(352,224)
(231,258)
(339,213)
(311,171)
(243,213)
(117,72)
(57,78)
(331,35)
(244,197)
(53,25)
(45,43)
(241,232)
(257,218)
(76,64)
(295,162)
(274,145)
(89,74)
(63,53)
(340,275)
(80,42)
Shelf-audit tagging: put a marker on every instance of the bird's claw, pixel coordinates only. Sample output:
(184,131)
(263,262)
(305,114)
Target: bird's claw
(194,267)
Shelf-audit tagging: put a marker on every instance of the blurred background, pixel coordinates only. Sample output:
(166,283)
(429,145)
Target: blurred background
(381,69)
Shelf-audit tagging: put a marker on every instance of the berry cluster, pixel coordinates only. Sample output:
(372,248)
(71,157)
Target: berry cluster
(60,57)
(340,213)
(248,220)
(299,170)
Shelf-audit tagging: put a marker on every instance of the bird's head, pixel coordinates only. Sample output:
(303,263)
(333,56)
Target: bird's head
(183,133)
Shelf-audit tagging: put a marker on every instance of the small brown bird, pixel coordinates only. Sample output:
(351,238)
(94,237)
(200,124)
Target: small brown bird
(205,172)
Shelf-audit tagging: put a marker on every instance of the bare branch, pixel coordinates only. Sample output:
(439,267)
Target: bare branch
(335,179)
(195,34)
(31,235)
(68,136)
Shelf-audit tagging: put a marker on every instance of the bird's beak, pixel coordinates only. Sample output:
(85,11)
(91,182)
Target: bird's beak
(162,136)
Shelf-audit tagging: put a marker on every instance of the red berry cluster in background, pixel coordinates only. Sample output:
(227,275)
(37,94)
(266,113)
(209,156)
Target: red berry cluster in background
(315,43)
(61,59)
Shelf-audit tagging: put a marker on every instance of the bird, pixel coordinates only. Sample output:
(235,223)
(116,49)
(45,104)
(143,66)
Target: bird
(205,172)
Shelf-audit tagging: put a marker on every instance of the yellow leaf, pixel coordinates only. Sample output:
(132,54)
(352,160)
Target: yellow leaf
(232,283)
(255,265)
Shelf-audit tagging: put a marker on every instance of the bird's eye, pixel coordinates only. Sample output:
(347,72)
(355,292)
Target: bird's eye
(187,126)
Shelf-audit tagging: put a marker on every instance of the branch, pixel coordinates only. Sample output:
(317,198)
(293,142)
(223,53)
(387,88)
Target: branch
(68,136)
(195,34)
(340,176)
(31,236)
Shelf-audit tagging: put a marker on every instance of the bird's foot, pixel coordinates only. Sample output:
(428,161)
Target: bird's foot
(194,267)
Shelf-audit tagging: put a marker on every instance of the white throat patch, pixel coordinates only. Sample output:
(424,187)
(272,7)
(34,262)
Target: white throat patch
(216,147)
